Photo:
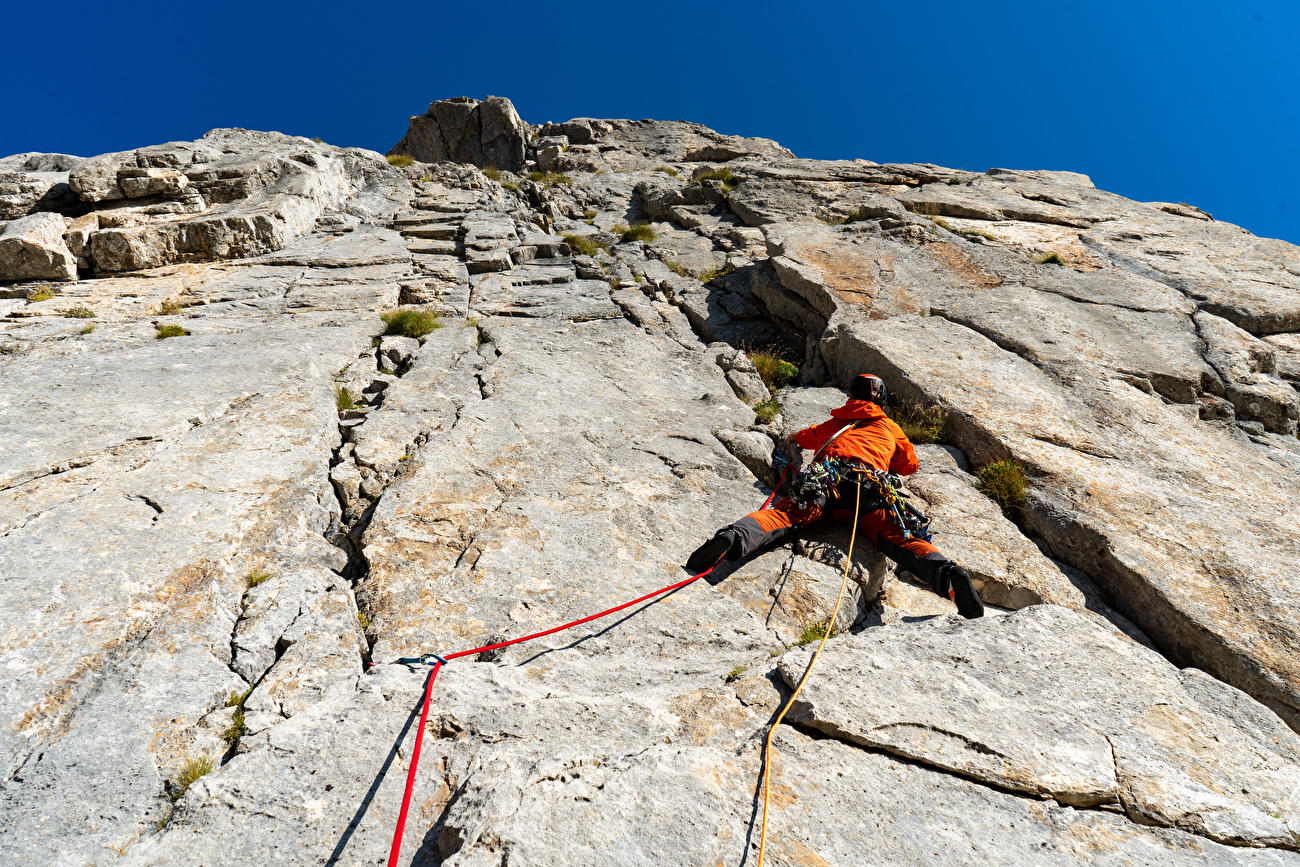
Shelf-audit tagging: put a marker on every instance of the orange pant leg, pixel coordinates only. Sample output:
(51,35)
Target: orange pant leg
(879,524)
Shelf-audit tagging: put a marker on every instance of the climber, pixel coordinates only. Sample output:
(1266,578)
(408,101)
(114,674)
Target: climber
(859,431)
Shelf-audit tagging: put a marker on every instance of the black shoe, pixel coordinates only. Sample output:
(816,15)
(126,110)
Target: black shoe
(962,591)
(707,555)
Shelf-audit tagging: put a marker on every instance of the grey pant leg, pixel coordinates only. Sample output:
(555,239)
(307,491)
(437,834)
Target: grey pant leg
(925,568)
(750,537)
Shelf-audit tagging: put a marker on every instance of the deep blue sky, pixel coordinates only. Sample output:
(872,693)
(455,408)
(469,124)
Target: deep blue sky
(1174,101)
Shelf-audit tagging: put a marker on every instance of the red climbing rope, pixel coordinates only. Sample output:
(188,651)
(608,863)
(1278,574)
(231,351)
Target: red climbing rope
(439,661)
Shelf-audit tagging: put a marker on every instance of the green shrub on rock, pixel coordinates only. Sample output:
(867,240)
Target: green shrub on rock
(1003,482)
(767,410)
(639,232)
(79,313)
(409,323)
(775,372)
(584,246)
(165,331)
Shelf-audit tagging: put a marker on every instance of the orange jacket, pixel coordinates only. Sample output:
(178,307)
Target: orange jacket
(879,442)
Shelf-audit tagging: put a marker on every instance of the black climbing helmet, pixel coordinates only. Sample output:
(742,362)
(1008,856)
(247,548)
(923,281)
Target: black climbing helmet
(868,387)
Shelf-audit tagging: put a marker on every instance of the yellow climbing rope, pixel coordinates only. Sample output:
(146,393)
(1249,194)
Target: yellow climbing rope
(830,624)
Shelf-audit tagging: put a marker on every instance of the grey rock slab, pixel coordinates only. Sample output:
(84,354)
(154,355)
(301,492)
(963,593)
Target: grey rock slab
(631,413)
(423,402)
(32,248)
(579,300)
(1075,712)
(368,245)
(1009,570)
(1162,348)
(319,654)
(753,449)
(1248,367)
(1128,489)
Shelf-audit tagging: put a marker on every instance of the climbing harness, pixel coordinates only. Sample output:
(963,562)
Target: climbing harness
(439,661)
(766,772)
(821,479)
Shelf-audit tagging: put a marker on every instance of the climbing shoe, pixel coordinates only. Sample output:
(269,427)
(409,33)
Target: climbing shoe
(707,555)
(961,590)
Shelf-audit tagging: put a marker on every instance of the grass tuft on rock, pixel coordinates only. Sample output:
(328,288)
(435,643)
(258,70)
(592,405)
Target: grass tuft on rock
(399,160)
(189,774)
(165,331)
(775,372)
(736,672)
(723,174)
(954,182)
(715,274)
(233,732)
(89,328)
(638,232)
(492,172)
(672,265)
(78,313)
(1004,483)
(549,179)
(812,632)
(170,307)
(766,410)
(668,170)
(409,323)
(237,699)
(257,576)
(584,246)
(921,425)
(1050,259)
(343,399)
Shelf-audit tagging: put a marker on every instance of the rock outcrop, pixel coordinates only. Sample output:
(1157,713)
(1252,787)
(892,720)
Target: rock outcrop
(216,548)
(464,130)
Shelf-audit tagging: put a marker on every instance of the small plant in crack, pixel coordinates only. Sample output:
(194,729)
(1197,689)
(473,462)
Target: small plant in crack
(775,371)
(585,246)
(257,576)
(1050,258)
(363,620)
(163,820)
(170,307)
(190,772)
(39,294)
(343,398)
(919,424)
(236,730)
(813,632)
(767,410)
(736,672)
(409,323)
(672,265)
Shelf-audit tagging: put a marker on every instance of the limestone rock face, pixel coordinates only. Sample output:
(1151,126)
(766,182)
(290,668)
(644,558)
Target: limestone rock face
(223,548)
(464,130)
(33,248)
